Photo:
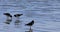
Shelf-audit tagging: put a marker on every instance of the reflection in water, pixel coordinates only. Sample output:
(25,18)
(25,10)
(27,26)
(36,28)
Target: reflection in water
(8,21)
(30,30)
(17,22)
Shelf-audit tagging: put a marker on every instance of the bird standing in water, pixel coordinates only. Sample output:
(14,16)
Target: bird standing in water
(8,16)
(30,24)
(17,16)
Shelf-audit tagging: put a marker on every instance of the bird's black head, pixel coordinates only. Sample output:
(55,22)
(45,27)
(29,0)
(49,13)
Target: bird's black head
(32,20)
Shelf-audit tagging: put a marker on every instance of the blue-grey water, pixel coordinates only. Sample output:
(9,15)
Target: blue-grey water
(45,13)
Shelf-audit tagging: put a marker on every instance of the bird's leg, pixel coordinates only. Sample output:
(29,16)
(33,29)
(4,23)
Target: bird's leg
(30,29)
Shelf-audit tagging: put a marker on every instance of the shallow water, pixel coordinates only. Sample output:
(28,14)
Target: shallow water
(45,13)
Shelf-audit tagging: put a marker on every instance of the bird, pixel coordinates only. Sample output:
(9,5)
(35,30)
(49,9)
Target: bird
(8,20)
(17,20)
(30,23)
(8,14)
(17,15)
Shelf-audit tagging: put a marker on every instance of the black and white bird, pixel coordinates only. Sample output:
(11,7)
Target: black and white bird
(8,16)
(17,18)
(30,24)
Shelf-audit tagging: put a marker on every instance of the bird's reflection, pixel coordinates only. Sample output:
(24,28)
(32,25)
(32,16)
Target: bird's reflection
(17,22)
(7,21)
(30,30)
(9,18)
